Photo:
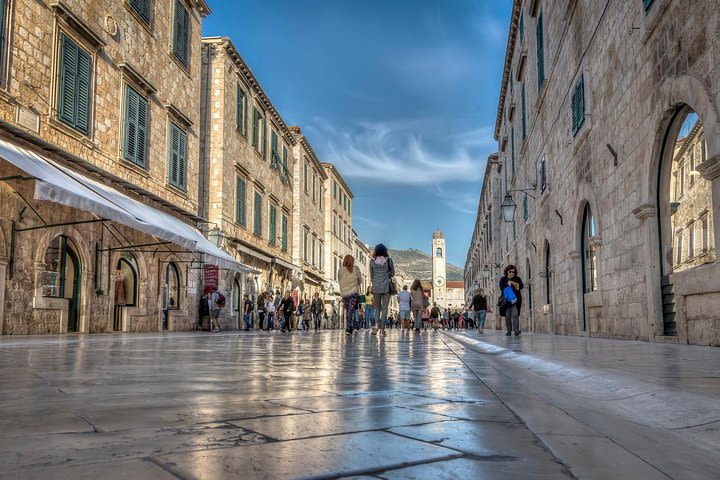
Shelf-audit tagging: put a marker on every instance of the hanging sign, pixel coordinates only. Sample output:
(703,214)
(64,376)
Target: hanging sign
(212,274)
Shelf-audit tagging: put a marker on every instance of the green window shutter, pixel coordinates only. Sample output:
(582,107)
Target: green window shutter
(255,134)
(74,85)
(274,156)
(647,4)
(142,7)
(240,109)
(540,52)
(136,123)
(263,148)
(286,172)
(181,33)
(524,118)
(522,27)
(240,201)
(2,23)
(177,162)
(257,214)
(578,106)
(525,207)
(284,233)
(272,230)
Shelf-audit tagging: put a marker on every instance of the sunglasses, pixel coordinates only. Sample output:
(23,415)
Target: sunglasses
(512,271)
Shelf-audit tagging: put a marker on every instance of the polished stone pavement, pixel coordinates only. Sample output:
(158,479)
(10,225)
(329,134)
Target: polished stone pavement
(321,405)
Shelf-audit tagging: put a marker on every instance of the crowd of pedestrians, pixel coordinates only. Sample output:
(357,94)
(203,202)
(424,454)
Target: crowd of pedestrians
(369,310)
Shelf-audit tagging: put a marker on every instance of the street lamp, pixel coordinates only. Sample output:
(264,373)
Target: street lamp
(217,237)
(486,272)
(508,208)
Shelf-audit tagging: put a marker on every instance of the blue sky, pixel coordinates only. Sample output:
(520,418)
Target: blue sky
(400,94)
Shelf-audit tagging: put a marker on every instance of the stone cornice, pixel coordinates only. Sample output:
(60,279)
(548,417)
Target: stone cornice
(507,69)
(303,141)
(227,45)
(710,168)
(333,168)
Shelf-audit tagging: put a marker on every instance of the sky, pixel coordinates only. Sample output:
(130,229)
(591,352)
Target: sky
(401,95)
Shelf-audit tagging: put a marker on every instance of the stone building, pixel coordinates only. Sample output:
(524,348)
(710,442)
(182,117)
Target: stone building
(99,139)
(247,175)
(339,235)
(456,294)
(593,98)
(309,216)
(362,255)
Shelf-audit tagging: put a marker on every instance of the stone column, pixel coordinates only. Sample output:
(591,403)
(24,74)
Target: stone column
(710,171)
(654,326)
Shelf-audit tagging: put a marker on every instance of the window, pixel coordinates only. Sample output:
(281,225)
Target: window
(256,119)
(647,4)
(548,276)
(241,110)
(172,284)
(284,233)
(305,176)
(142,7)
(334,230)
(74,85)
(286,172)
(257,213)
(681,176)
(691,240)
(314,240)
(678,247)
(703,151)
(321,255)
(335,189)
(314,187)
(524,118)
(177,158)
(705,239)
(589,259)
(240,207)
(438,252)
(540,52)
(272,227)
(136,127)
(305,245)
(578,106)
(181,33)
(525,207)
(543,175)
(274,155)
(522,26)
(692,167)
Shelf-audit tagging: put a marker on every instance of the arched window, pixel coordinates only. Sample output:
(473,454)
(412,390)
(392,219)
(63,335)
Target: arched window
(438,252)
(237,300)
(62,277)
(172,281)
(126,282)
(589,256)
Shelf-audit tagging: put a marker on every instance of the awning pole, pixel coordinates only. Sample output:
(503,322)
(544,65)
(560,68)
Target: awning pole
(31,207)
(63,224)
(11,262)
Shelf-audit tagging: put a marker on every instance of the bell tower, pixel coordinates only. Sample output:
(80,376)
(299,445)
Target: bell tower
(439,289)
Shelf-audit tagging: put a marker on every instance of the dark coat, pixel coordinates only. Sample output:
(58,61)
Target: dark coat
(504,283)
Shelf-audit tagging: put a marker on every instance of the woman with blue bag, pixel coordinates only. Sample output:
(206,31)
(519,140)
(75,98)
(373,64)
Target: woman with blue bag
(510,286)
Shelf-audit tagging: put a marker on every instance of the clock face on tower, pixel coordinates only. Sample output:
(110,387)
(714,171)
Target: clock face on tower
(440,281)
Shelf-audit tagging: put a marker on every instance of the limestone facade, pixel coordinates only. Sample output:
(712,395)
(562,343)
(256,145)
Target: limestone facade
(56,277)
(247,182)
(362,256)
(308,244)
(592,98)
(339,235)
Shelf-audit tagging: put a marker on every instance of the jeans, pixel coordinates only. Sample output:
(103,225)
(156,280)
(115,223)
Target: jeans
(370,315)
(382,300)
(480,318)
(418,318)
(270,316)
(512,318)
(317,319)
(247,318)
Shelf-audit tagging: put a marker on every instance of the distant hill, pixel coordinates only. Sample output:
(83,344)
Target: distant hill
(416,264)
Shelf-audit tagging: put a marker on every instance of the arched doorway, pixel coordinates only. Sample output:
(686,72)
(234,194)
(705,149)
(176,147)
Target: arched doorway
(684,207)
(62,277)
(588,257)
(529,303)
(171,293)
(126,290)
(548,275)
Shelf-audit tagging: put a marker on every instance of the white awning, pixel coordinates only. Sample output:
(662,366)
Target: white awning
(59,184)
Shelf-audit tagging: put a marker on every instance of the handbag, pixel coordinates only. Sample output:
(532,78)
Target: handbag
(509,295)
(392,288)
(501,303)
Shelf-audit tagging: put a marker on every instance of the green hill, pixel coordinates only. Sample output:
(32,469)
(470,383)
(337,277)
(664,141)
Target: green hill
(416,264)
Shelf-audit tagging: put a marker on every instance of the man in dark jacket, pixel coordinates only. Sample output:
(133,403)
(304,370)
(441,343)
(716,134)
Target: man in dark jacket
(480,306)
(317,309)
(511,311)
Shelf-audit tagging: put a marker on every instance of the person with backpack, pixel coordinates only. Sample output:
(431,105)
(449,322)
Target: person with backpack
(216,303)
(480,308)
(417,303)
(382,271)
(435,316)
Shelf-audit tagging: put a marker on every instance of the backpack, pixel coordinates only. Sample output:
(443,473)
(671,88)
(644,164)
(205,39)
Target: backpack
(221,300)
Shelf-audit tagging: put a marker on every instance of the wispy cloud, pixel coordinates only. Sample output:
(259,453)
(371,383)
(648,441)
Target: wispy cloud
(396,153)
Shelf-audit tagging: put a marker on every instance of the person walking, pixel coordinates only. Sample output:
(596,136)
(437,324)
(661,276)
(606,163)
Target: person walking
(260,307)
(247,312)
(435,315)
(369,308)
(425,318)
(511,279)
(306,315)
(270,311)
(446,318)
(480,307)
(287,307)
(417,302)
(299,315)
(404,298)
(382,271)
(318,307)
(216,301)
(350,280)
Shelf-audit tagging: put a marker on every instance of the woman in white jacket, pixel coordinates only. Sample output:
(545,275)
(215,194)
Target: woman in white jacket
(350,280)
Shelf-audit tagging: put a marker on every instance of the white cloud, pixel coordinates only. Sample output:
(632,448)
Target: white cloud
(396,153)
